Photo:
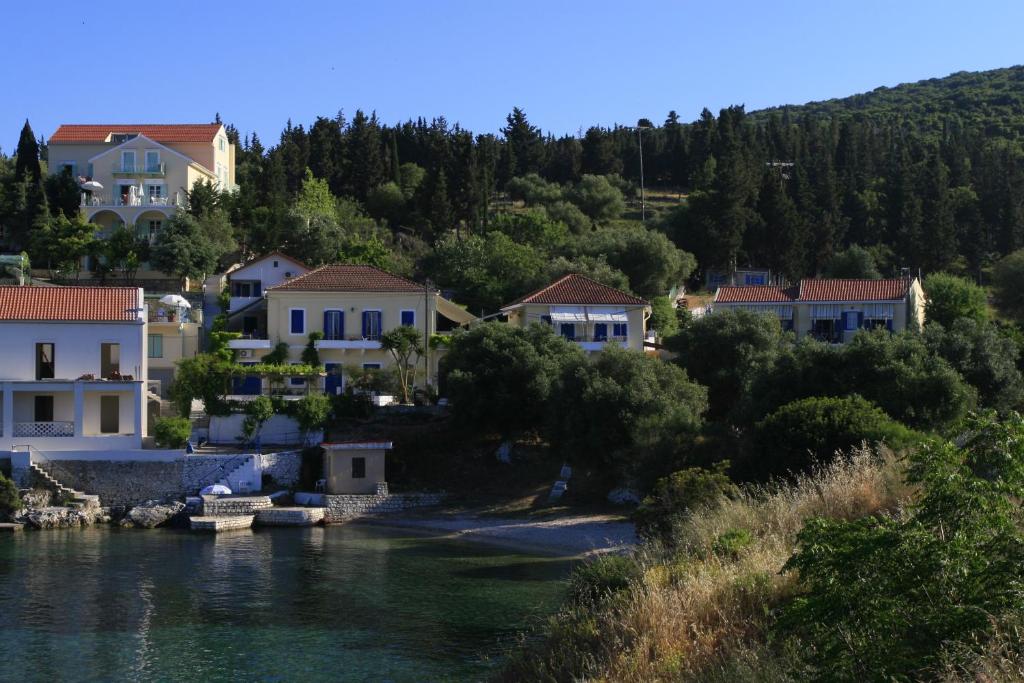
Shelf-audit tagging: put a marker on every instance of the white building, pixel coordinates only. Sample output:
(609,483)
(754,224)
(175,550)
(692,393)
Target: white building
(72,368)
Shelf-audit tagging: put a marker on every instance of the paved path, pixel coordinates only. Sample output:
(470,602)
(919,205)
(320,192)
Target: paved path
(565,535)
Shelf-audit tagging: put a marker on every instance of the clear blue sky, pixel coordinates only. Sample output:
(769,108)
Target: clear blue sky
(568,64)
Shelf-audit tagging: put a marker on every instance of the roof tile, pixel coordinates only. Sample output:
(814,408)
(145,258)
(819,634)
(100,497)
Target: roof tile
(817,289)
(732,294)
(168,133)
(576,289)
(93,304)
(348,278)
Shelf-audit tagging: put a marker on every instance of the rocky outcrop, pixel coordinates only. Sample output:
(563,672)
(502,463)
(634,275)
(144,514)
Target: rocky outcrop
(152,514)
(37,498)
(60,517)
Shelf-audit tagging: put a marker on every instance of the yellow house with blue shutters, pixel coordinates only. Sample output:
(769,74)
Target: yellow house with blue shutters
(352,306)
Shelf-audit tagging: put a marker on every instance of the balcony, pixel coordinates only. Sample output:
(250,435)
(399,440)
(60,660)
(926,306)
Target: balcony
(590,343)
(98,201)
(149,170)
(349,343)
(249,344)
(44,429)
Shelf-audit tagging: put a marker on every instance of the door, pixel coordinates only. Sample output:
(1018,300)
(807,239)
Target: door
(43,409)
(371,324)
(334,325)
(110,414)
(568,330)
(110,360)
(334,383)
(600,331)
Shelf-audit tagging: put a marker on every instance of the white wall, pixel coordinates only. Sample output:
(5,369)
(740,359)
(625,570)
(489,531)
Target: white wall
(279,429)
(76,347)
(91,416)
(24,406)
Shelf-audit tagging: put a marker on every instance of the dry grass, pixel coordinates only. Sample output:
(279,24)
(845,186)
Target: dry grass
(699,616)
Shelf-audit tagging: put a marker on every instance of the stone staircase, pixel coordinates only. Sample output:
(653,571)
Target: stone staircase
(76,499)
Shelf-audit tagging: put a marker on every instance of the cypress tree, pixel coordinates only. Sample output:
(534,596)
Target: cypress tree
(27,161)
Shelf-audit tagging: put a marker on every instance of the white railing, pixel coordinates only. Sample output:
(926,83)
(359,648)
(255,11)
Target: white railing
(44,429)
(118,200)
(139,169)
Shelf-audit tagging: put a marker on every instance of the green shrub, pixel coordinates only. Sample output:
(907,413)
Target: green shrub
(10,501)
(950,298)
(311,412)
(172,432)
(278,356)
(594,581)
(674,496)
(257,412)
(732,542)
(808,431)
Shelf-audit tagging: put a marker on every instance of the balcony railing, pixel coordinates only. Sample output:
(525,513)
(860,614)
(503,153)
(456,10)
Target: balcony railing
(120,200)
(44,429)
(157,169)
(598,338)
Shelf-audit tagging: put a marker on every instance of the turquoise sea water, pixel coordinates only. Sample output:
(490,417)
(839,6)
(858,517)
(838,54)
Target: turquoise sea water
(342,603)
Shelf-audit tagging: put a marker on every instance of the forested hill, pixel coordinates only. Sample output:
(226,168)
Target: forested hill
(993,100)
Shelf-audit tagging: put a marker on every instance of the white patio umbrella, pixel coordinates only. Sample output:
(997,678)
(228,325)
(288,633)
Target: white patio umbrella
(175,300)
(91,185)
(215,489)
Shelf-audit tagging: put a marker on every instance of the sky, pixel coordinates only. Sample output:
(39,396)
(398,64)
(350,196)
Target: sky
(569,65)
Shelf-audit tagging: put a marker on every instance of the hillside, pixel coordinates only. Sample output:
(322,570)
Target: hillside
(993,100)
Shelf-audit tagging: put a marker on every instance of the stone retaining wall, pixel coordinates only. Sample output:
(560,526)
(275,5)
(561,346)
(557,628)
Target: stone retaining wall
(223,507)
(285,467)
(345,507)
(221,523)
(121,483)
(280,516)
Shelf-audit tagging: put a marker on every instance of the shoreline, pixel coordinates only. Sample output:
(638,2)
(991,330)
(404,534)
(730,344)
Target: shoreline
(570,536)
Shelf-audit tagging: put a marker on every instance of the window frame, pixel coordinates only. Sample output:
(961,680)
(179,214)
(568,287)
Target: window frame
(52,363)
(150,337)
(291,321)
(410,311)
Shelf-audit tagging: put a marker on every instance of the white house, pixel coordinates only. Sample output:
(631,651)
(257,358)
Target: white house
(247,284)
(72,368)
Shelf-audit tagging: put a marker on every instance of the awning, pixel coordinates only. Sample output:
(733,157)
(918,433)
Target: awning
(568,314)
(599,315)
(453,312)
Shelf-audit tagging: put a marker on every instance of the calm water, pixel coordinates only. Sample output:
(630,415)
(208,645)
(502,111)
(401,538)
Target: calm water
(337,603)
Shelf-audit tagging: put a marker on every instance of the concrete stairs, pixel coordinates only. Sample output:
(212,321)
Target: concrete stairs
(76,499)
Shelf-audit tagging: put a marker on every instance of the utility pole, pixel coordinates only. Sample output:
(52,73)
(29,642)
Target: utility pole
(640,128)
(426,332)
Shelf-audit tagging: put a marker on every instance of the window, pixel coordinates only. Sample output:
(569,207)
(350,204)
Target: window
(221,144)
(371,325)
(156,346)
(128,160)
(88,171)
(152,161)
(155,191)
(275,264)
(600,331)
(409,318)
(754,279)
(359,468)
(297,381)
(334,324)
(371,366)
(110,359)
(567,330)
(44,361)
(243,289)
(71,165)
(154,228)
(620,330)
(298,321)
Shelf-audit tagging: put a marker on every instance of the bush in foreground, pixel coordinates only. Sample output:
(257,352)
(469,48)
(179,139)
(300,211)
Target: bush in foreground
(10,501)
(674,496)
(172,432)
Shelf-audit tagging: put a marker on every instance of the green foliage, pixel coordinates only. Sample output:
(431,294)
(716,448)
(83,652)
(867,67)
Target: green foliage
(187,247)
(884,596)
(405,344)
(532,227)
(615,409)
(732,542)
(62,243)
(312,412)
(811,431)
(10,501)
(985,357)
(663,317)
(257,412)
(1008,285)
(203,377)
(533,190)
(726,352)
(602,577)
(124,252)
(598,198)
(676,496)
(278,356)
(374,380)
(950,298)
(500,377)
(648,258)
(594,267)
(218,342)
(854,262)
(172,432)
(310,355)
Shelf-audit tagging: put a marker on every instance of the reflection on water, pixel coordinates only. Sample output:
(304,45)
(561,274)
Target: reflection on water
(336,603)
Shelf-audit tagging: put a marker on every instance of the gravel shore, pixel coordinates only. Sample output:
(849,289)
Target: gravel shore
(569,535)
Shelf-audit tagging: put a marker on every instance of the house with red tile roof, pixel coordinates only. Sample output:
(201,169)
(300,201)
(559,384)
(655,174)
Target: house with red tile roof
(351,306)
(586,312)
(137,175)
(833,310)
(73,367)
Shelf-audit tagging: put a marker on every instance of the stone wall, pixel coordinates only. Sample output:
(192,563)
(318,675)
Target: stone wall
(285,467)
(345,507)
(242,505)
(281,516)
(121,483)
(238,471)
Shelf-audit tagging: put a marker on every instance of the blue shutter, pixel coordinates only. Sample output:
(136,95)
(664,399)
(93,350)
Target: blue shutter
(298,321)
(366,324)
(256,288)
(409,318)
(888,324)
(600,331)
(568,330)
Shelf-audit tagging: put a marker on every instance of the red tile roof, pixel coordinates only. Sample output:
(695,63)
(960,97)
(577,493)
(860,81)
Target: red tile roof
(575,289)
(162,133)
(755,294)
(826,290)
(69,303)
(348,278)
(854,290)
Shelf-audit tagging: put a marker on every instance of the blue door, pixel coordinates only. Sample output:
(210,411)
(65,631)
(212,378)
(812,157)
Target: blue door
(334,382)
(371,325)
(568,330)
(600,331)
(250,385)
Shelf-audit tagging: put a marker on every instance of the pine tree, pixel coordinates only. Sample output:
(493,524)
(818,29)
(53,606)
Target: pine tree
(27,156)
(939,244)
(525,143)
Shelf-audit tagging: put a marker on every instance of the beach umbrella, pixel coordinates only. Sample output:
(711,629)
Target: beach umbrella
(91,185)
(175,300)
(215,489)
